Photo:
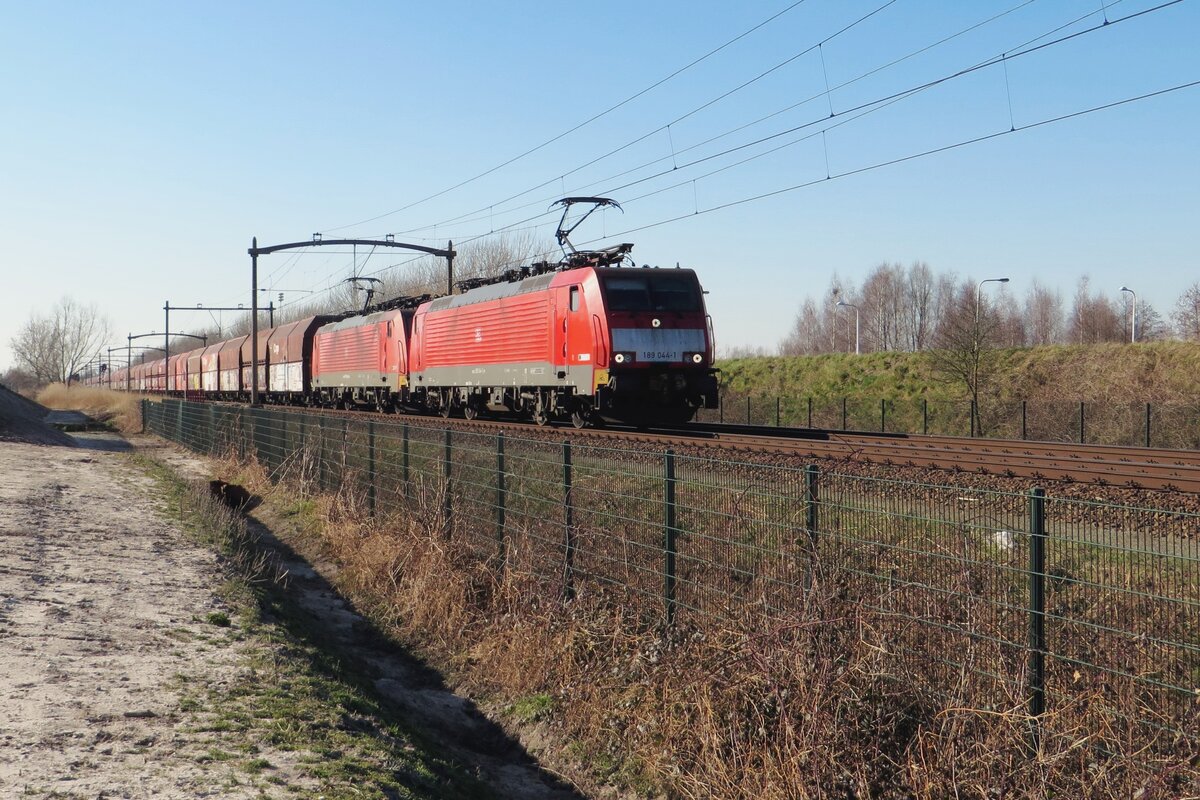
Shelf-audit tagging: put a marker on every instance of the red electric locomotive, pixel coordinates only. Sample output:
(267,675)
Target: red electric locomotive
(585,341)
(362,360)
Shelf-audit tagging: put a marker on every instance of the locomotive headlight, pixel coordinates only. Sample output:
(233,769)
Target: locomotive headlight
(697,358)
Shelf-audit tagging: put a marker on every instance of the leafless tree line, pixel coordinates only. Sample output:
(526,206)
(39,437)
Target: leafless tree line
(913,308)
(57,345)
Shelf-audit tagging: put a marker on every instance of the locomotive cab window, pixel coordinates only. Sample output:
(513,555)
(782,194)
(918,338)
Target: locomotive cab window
(574,298)
(652,292)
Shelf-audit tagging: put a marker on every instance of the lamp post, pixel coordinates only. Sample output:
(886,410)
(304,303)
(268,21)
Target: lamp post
(979,290)
(844,304)
(1133,314)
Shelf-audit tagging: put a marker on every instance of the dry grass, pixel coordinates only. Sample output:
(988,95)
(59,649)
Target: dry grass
(119,409)
(853,696)
(831,704)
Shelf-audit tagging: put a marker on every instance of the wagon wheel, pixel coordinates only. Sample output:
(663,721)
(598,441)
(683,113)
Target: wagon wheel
(445,410)
(579,419)
(470,411)
(540,417)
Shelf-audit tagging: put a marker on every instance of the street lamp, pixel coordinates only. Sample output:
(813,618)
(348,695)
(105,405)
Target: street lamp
(844,304)
(1133,322)
(979,289)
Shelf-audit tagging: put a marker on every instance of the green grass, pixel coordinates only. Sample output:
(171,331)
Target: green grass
(532,708)
(1158,372)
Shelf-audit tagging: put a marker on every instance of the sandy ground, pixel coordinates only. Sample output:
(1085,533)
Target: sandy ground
(103,610)
(453,721)
(104,628)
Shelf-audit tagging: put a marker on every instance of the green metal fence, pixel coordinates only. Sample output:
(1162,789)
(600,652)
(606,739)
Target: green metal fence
(1074,612)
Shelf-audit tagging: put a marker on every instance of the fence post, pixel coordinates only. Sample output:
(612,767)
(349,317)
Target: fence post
(404,463)
(241,432)
(883,416)
(669,532)
(776,411)
(301,447)
(1037,613)
(843,413)
(371,467)
(345,449)
(568,525)
(321,452)
(1147,424)
(1081,407)
(448,483)
(1024,421)
(924,416)
(974,414)
(810,412)
(212,428)
(811,477)
(747,409)
(500,500)
(256,434)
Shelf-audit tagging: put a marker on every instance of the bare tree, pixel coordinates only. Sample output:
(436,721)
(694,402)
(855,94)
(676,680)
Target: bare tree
(816,327)
(1093,317)
(1012,330)
(918,307)
(16,379)
(880,303)
(1043,315)
(743,351)
(1186,315)
(1151,327)
(54,347)
(807,335)
(484,258)
(965,352)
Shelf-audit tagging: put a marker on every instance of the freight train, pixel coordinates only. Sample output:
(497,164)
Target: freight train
(585,340)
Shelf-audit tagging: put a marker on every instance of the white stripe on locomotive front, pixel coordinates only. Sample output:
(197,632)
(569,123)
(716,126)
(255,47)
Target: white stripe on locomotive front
(658,344)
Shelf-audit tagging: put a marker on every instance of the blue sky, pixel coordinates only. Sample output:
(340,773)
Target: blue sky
(144,144)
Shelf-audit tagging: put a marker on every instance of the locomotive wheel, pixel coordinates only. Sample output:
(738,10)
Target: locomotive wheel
(579,419)
(470,412)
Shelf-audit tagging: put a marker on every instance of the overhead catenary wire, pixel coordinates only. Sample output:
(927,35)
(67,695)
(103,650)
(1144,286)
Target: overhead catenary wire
(898,160)
(583,124)
(1000,59)
(1027,47)
(914,156)
(844,29)
(697,109)
(744,126)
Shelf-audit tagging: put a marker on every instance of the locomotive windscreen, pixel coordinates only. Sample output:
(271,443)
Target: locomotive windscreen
(656,291)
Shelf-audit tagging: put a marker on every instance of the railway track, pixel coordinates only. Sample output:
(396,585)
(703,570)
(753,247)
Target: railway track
(1063,463)
(1132,467)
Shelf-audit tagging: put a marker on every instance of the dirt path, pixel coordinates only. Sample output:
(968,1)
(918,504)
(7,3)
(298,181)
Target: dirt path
(97,596)
(122,674)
